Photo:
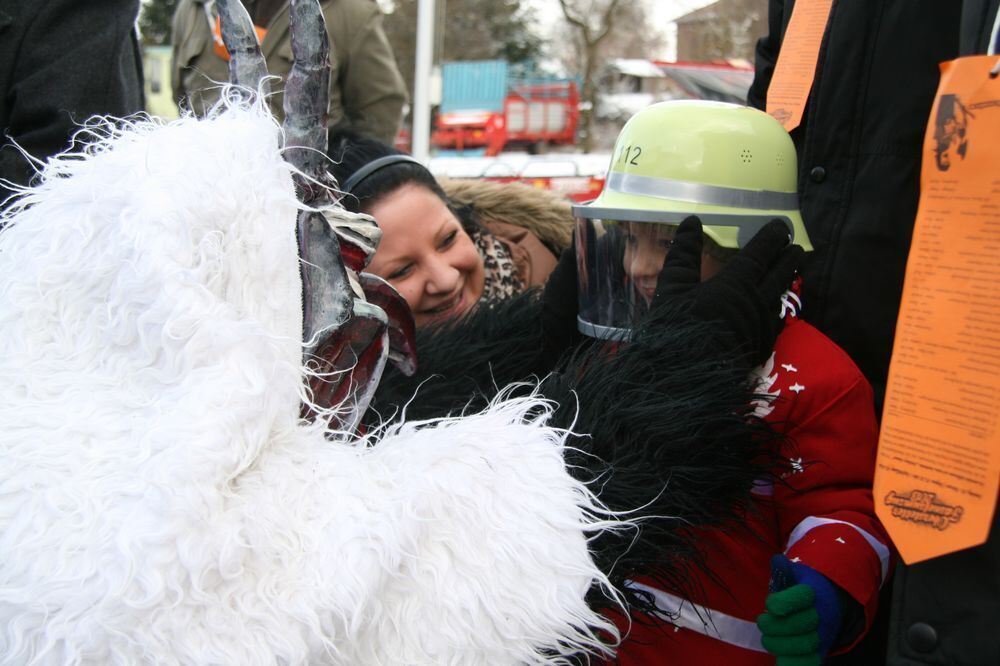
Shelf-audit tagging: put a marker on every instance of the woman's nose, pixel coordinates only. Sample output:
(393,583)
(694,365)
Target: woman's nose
(442,277)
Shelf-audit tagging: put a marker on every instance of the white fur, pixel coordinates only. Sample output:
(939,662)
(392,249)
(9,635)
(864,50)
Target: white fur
(160,501)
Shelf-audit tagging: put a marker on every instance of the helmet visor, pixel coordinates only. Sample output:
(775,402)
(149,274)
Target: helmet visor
(620,254)
(617,266)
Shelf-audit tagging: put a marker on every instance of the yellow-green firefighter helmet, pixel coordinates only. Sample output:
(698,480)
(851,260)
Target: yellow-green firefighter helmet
(732,166)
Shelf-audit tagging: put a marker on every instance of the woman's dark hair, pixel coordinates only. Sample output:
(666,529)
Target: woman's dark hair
(351,152)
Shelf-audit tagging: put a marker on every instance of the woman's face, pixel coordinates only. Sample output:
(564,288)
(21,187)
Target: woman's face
(426,255)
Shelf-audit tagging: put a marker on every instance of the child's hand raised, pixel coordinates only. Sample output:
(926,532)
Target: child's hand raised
(744,298)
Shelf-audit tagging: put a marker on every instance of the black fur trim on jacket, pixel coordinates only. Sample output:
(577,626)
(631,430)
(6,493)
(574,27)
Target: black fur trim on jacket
(665,422)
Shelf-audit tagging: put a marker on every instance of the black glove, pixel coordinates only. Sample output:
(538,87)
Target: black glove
(744,299)
(561,301)
(559,307)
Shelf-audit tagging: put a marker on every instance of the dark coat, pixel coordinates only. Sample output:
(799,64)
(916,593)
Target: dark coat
(946,610)
(61,62)
(859,160)
(978,19)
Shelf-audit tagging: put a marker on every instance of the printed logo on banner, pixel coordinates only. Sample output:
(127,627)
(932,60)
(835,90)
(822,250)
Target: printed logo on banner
(923,507)
(951,128)
(938,468)
(950,131)
(781,115)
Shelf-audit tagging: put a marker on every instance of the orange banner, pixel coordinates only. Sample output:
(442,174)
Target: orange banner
(938,466)
(796,66)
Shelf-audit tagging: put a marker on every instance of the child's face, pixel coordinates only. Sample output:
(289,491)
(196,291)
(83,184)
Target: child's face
(646,247)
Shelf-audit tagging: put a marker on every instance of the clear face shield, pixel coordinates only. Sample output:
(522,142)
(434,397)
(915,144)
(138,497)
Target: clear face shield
(619,261)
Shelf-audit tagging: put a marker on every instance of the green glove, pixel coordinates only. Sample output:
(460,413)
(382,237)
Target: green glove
(803,614)
(789,627)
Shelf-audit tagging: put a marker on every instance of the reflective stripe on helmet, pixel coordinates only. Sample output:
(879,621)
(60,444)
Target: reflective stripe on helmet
(713,195)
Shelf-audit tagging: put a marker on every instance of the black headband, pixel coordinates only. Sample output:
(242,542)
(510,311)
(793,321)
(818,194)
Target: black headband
(373,166)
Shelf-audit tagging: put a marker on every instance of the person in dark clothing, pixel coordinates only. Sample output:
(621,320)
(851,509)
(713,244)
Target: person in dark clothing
(945,610)
(62,62)
(859,149)
(979,32)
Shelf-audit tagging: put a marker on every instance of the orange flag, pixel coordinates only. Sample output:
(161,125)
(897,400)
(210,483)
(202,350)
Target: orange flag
(938,465)
(796,66)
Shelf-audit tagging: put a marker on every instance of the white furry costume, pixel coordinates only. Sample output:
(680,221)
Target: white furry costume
(160,500)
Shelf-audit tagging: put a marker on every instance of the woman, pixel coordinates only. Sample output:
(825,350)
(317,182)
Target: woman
(445,249)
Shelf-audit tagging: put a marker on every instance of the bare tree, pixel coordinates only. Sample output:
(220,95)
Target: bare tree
(593,21)
(635,34)
(467,30)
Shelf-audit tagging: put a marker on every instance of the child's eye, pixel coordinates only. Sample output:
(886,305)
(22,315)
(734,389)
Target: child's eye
(448,240)
(666,243)
(401,272)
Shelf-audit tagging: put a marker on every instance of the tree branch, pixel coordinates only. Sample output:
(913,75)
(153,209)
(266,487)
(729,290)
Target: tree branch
(576,21)
(607,20)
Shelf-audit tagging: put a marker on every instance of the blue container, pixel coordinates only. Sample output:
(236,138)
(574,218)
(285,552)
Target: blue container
(477,85)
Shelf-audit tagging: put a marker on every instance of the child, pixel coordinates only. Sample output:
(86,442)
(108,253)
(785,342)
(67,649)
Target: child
(800,578)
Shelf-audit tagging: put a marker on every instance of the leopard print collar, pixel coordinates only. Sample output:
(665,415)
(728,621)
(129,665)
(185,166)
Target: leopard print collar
(502,280)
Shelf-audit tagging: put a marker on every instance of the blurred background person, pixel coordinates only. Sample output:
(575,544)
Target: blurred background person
(366,90)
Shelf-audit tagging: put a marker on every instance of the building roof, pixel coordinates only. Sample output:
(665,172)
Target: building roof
(644,69)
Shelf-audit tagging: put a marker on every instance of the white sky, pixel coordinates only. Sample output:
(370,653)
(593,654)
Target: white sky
(663,13)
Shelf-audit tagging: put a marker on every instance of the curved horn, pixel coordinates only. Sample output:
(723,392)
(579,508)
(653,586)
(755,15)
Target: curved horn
(307,89)
(347,338)
(247,68)
(327,294)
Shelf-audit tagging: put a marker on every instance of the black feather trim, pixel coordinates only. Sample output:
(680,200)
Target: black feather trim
(463,363)
(669,425)
(666,424)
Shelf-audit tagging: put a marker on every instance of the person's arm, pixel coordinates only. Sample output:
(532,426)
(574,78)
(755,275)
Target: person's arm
(77,60)
(766,54)
(180,26)
(372,89)
(824,505)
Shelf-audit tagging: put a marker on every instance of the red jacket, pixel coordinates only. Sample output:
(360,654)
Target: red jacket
(822,513)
